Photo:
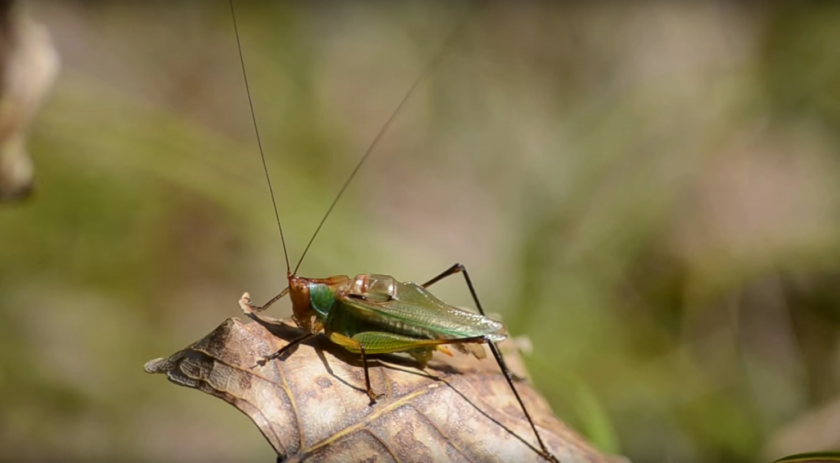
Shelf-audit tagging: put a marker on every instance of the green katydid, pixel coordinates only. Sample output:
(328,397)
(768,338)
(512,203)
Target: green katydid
(377,314)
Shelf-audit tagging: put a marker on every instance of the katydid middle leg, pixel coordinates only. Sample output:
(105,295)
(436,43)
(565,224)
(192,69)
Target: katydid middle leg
(459,268)
(355,345)
(245,303)
(285,348)
(369,390)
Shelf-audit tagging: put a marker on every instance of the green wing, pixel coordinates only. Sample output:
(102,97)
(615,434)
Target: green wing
(413,311)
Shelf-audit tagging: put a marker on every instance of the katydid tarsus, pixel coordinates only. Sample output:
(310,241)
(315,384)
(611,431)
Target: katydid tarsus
(377,314)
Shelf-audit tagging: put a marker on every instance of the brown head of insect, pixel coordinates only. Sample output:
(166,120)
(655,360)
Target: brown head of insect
(308,314)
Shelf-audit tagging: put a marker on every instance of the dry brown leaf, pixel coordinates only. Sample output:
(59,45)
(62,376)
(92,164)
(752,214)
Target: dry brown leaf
(311,405)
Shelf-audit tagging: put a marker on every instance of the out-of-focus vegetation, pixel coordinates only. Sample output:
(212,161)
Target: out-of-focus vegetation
(648,191)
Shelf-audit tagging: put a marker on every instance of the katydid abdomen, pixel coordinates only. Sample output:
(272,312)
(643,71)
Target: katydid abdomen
(381,303)
(378,314)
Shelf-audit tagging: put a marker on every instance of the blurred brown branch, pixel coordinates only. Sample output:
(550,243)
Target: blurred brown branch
(28,66)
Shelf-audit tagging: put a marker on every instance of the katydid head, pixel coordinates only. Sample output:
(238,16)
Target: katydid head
(313,298)
(302,311)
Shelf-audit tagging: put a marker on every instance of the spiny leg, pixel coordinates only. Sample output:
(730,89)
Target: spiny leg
(369,389)
(245,304)
(354,345)
(458,268)
(285,349)
(545,453)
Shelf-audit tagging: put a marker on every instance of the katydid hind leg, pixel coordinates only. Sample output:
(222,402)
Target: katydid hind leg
(498,355)
(459,268)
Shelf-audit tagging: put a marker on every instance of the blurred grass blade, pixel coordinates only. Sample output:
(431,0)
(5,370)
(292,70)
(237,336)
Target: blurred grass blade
(815,457)
(597,425)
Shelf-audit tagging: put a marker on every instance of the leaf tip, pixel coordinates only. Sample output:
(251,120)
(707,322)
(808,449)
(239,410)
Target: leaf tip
(158,365)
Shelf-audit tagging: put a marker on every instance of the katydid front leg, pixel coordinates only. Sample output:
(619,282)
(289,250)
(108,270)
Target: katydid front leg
(245,302)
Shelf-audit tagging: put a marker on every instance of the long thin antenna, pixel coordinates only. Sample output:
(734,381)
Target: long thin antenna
(429,68)
(257,132)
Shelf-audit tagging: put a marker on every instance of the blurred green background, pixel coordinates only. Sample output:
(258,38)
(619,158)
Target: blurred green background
(648,191)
